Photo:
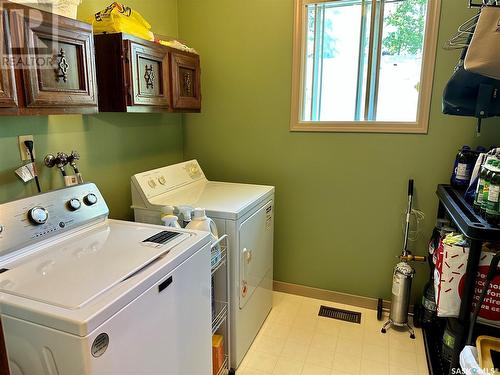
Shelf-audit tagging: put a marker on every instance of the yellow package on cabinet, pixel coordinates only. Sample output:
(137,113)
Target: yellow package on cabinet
(119,18)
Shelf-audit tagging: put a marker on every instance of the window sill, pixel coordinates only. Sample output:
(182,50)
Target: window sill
(359,127)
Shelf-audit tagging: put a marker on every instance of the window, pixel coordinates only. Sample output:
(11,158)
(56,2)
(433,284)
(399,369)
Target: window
(363,65)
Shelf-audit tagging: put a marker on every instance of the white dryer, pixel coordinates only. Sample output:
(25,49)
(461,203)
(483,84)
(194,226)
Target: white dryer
(245,212)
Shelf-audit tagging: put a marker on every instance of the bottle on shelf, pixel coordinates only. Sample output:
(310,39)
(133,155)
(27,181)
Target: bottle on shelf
(492,205)
(429,298)
(478,200)
(481,150)
(200,221)
(470,192)
(168,218)
(486,186)
(462,170)
(450,340)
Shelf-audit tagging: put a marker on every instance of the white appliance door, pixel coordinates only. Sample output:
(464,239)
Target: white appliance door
(256,250)
(165,331)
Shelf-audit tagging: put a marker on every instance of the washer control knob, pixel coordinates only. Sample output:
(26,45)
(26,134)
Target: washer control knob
(74,204)
(90,199)
(38,215)
(1,228)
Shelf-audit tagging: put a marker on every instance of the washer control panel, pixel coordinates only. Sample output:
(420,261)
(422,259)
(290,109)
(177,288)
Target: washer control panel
(26,221)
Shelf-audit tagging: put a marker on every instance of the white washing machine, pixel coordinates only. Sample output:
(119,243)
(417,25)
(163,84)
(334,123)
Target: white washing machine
(84,295)
(245,212)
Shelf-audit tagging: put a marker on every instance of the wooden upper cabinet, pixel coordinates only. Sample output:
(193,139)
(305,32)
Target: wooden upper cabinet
(8,92)
(149,75)
(135,75)
(186,73)
(54,62)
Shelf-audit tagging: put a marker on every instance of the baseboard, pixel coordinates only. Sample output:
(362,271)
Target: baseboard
(329,295)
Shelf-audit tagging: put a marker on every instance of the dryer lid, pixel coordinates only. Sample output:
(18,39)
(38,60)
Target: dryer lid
(224,200)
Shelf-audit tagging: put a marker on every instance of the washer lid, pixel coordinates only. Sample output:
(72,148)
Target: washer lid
(73,272)
(223,200)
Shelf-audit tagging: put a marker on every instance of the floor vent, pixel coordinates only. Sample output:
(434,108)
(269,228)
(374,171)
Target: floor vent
(345,315)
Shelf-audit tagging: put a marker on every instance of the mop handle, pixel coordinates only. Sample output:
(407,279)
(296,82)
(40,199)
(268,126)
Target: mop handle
(408,213)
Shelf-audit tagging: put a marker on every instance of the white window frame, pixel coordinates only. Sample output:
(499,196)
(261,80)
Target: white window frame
(420,126)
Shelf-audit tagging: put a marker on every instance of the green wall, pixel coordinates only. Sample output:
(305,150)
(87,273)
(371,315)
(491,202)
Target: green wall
(339,197)
(112,146)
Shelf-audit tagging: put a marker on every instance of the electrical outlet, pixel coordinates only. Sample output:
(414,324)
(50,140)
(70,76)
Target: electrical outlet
(25,154)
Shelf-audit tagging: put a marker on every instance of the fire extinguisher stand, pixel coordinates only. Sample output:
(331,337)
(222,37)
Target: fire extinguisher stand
(402,278)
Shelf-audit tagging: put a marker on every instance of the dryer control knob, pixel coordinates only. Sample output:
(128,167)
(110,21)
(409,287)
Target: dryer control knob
(74,204)
(38,215)
(90,199)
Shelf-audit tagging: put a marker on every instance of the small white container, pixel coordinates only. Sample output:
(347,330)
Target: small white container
(200,221)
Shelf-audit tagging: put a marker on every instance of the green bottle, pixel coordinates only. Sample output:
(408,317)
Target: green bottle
(478,198)
(492,206)
(486,186)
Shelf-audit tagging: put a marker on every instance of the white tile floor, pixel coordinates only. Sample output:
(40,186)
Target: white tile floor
(295,341)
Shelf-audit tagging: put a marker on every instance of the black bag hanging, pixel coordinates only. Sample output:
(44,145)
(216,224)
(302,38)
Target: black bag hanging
(471,94)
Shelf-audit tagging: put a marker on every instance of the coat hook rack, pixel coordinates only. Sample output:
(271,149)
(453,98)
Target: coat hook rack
(483,3)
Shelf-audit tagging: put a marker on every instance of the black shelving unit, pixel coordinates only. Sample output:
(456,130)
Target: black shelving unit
(477,230)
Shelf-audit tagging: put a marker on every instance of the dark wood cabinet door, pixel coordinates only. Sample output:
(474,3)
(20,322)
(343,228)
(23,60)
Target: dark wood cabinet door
(57,58)
(148,75)
(8,94)
(136,75)
(186,74)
